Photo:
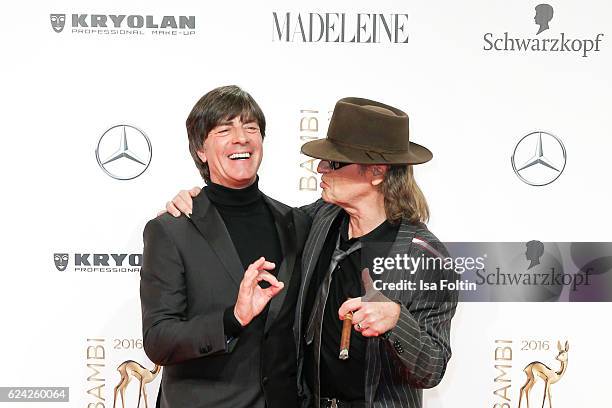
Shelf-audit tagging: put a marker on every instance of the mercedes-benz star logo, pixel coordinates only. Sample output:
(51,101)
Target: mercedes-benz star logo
(539,158)
(120,160)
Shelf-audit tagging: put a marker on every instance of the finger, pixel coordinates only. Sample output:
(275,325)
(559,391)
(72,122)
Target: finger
(195,191)
(272,290)
(268,266)
(250,274)
(369,332)
(261,264)
(268,277)
(359,317)
(179,204)
(364,323)
(184,195)
(349,306)
(361,327)
(258,263)
(172,210)
(183,202)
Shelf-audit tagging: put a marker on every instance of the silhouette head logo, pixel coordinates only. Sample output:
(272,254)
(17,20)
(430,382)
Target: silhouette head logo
(535,250)
(544,13)
(57,22)
(61,261)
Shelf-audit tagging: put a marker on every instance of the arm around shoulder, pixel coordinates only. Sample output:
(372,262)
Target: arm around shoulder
(313,208)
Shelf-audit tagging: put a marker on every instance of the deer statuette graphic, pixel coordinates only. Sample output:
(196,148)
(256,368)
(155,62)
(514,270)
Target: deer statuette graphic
(548,375)
(129,369)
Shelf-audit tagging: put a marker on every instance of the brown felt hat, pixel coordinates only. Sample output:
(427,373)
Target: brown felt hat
(367,132)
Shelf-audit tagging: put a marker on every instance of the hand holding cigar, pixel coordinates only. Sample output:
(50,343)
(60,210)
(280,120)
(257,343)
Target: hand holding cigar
(373,314)
(345,340)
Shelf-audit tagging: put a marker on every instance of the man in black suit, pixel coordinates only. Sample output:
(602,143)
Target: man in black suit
(219,289)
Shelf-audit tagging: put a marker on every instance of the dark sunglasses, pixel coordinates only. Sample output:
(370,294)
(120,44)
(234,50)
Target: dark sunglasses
(335,165)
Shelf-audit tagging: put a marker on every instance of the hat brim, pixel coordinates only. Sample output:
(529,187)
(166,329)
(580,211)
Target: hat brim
(325,149)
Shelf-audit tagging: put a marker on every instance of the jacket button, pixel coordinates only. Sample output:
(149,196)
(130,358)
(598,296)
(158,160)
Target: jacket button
(264,380)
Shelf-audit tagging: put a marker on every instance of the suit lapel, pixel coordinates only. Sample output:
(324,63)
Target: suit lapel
(207,220)
(316,238)
(286,236)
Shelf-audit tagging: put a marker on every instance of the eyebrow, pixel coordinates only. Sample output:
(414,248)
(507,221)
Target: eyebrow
(228,122)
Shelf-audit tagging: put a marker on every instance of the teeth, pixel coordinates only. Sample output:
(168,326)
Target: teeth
(240,156)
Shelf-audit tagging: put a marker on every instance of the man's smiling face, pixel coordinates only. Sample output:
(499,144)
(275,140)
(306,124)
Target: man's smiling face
(233,151)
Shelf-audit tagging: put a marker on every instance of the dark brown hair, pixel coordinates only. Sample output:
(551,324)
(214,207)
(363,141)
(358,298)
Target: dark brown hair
(217,106)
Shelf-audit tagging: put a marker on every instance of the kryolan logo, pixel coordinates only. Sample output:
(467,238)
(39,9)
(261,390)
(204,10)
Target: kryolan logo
(544,14)
(133,24)
(98,262)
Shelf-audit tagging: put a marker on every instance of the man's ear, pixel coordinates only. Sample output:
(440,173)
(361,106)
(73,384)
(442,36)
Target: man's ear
(378,173)
(202,154)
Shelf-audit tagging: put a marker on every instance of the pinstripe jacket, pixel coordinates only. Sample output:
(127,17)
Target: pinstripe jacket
(415,355)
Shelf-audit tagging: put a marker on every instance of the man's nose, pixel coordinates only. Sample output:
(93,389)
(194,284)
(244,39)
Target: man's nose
(240,136)
(323,167)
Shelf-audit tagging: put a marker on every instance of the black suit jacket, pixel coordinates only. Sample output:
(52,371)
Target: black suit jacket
(417,351)
(191,273)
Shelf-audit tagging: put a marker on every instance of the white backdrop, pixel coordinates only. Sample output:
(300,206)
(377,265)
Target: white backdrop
(60,92)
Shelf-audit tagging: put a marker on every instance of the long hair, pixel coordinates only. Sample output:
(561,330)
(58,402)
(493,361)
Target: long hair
(403,197)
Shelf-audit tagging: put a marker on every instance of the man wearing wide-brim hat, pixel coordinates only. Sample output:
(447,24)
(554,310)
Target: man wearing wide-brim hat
(371,207)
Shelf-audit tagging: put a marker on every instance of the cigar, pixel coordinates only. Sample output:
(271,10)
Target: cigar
(345,340)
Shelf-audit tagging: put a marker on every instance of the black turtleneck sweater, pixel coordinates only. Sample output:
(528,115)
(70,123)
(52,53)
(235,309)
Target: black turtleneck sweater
(251,226)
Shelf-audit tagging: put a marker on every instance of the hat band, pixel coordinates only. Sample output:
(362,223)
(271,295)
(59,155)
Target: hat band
(368,148)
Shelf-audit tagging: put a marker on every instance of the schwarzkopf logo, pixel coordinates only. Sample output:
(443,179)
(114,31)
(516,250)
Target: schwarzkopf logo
(99,262)
(122,24)
(559,43)
(539,158)
(124,152)
(340,27)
